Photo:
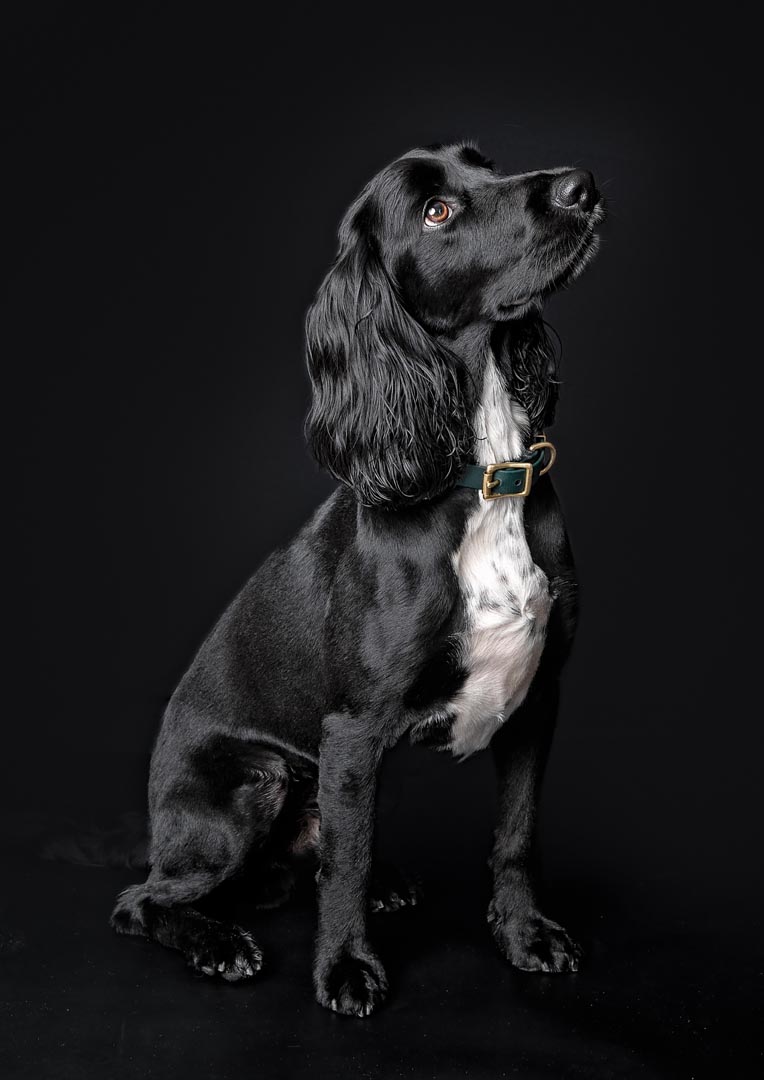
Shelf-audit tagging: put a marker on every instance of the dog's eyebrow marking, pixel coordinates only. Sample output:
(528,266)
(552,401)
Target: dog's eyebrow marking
(470,155)
(425,178)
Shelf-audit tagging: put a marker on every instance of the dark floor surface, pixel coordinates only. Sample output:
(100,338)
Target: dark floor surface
(669,988)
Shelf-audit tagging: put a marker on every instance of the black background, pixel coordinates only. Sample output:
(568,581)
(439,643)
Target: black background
(174,185)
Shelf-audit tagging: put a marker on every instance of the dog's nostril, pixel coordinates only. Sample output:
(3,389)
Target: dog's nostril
(573,189)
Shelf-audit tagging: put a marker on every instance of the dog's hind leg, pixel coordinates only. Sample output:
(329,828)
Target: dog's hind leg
(157,911)
(205,821)
(291,852)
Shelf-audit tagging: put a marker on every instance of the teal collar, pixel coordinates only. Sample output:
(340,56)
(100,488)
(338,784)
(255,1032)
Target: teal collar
(510,479)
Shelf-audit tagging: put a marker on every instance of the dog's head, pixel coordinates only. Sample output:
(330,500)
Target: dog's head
(438,242)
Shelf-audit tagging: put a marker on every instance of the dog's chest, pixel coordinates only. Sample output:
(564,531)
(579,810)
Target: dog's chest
(505,595)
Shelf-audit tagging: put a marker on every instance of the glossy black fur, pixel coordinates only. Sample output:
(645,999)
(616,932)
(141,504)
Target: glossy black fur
(345,640)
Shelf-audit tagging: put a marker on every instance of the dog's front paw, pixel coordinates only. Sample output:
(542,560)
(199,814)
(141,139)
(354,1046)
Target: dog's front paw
(532,942)
(352,985)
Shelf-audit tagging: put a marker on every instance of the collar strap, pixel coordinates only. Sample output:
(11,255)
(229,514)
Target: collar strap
(510,479)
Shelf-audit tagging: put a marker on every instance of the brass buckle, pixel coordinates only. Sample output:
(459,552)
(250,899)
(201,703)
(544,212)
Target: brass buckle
(544,444)
(489,483)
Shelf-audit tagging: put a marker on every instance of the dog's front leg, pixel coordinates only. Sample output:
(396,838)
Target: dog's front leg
(348,976)
(525,936)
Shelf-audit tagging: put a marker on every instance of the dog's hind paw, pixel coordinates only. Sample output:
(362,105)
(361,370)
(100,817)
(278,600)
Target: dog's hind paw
(390,890)
(232,955)
(352,985)
(534,943)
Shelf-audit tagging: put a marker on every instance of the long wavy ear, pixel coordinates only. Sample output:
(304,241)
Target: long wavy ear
(389,415)
(527,354)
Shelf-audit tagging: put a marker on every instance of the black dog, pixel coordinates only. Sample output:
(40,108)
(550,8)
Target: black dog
(411,602)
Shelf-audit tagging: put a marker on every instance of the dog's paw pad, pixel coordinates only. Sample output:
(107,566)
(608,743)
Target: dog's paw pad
(352,986)
(535,943)
(233,955)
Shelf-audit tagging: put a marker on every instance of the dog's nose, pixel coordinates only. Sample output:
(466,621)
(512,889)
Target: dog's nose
(574,189)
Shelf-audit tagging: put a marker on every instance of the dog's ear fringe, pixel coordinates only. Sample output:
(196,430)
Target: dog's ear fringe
(389,411)
(528,355)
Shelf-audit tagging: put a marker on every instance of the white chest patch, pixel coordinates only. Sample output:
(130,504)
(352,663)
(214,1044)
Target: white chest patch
(506,596)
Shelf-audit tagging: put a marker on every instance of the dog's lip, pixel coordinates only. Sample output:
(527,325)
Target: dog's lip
(515,304)
(598,212)
(593,215)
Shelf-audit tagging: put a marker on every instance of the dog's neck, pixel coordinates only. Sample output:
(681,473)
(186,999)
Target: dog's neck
(472,344)
(522,359)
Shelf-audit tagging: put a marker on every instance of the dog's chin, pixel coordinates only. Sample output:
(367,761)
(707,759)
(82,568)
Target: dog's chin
(568,268)
(575,266)
(576,262)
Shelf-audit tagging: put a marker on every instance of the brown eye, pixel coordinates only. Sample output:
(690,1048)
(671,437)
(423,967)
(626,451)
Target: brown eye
(436,212)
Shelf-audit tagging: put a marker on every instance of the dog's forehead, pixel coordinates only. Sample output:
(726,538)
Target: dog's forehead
(436,170)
